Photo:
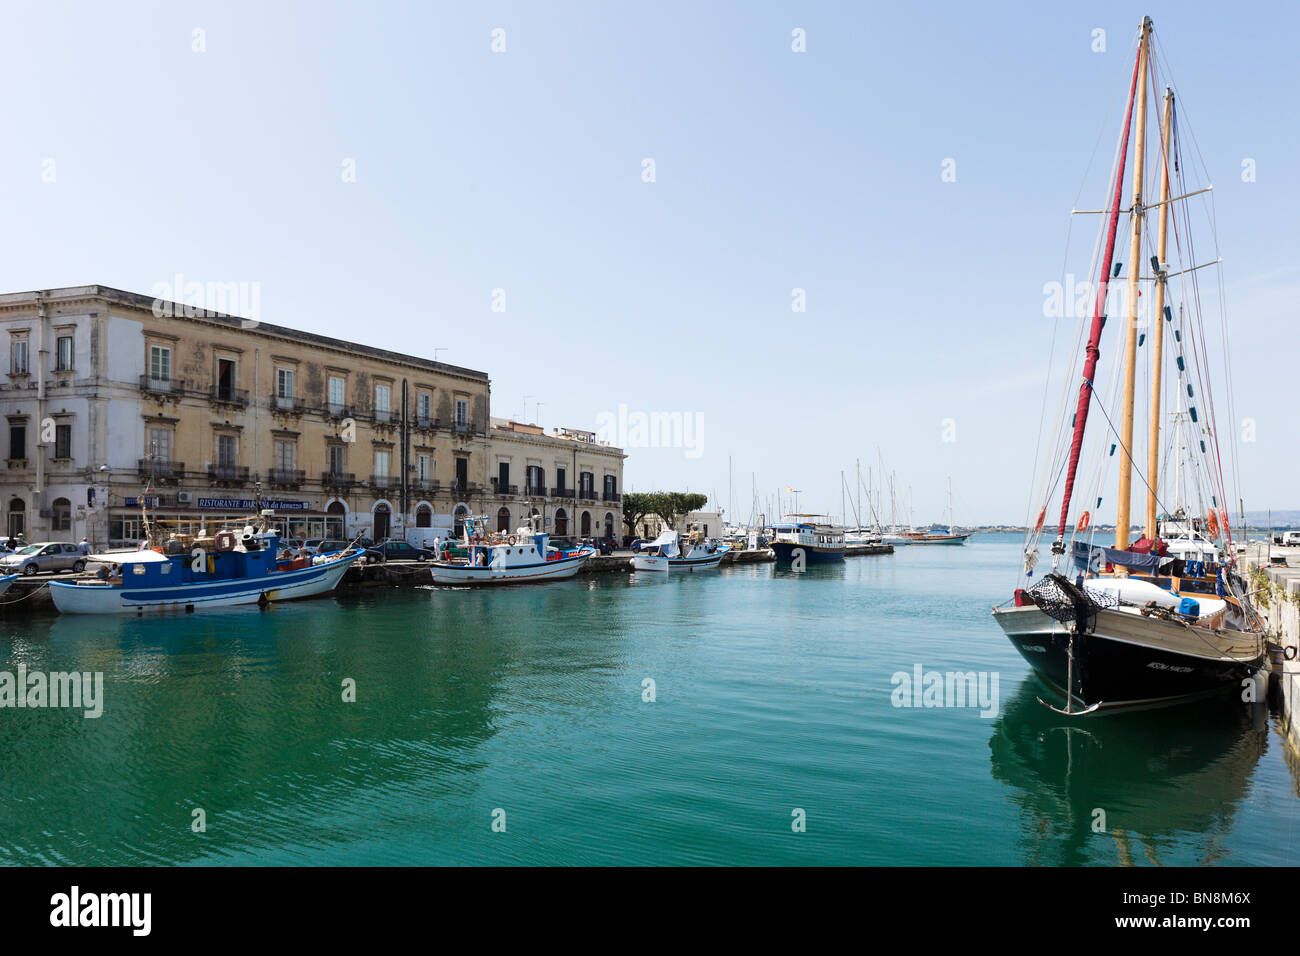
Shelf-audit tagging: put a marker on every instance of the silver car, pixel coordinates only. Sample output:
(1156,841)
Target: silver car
(46,556)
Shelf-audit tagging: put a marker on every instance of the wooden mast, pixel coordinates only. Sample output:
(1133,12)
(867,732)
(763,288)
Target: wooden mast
(1134,273)
(1158,331)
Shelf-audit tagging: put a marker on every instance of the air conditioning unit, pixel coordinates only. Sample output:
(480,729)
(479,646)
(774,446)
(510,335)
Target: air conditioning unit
(184,498)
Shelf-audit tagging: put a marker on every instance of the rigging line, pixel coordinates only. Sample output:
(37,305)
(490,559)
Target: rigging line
(1233,456)
(1120,441)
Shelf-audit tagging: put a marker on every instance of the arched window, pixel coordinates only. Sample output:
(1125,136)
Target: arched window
(383,522)
(503,520)
(461,512)
(424,517)
(335,519)
(62,515)
(561,522)
(17,517)
(585,524)
(609,524)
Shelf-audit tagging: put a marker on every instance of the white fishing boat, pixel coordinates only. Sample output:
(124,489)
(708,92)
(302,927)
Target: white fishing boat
(524,557)
(7,581)
(664,554)
(1168,617)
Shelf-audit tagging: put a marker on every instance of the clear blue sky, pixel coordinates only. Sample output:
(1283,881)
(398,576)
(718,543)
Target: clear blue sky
(774,170)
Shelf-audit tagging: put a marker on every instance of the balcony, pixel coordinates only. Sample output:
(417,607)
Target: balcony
(425,422)
(162,386)
(161,469)
(288,404)
(335,410)
(535,491)
(228,473)
(613,496)
(562,492)
(287,477)
(459,489)
(424,485)
(382,416)
(498,487)
(224,395)
(383,482)
(588,494)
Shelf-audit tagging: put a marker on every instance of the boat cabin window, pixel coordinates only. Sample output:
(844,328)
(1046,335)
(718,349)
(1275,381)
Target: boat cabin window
(137,569)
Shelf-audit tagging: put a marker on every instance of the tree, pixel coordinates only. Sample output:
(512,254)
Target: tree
(636,505)
(669,504)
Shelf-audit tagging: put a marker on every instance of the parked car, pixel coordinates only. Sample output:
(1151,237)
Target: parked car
(315,546)
(44,556)
(396,549)
(1291,538)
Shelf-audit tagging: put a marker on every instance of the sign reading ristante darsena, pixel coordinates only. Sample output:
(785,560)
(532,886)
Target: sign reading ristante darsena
(248,504)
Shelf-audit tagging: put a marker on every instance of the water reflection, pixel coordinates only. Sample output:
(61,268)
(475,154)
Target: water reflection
(243,713)
(1168,781)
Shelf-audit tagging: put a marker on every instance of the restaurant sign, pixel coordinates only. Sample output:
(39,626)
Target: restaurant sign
(248,504)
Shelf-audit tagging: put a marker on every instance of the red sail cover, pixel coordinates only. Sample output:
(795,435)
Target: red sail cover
(1099,311)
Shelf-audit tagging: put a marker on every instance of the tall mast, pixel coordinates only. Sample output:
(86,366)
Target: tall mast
(1093,351)
(1158,333)
(1134,274)
(858,465)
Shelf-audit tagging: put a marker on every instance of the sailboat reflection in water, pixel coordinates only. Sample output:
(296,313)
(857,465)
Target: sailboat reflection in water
(1152,788)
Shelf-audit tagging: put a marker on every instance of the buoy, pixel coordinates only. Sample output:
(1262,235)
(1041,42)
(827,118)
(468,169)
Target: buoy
(1083,521)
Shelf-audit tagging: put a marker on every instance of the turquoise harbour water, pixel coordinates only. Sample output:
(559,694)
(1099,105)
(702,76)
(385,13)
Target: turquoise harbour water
(773,694)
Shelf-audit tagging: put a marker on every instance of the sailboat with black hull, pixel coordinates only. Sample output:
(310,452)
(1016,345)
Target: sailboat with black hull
(1136,625)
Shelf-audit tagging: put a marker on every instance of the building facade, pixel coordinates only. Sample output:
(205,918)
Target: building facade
(112,400)
(568,478)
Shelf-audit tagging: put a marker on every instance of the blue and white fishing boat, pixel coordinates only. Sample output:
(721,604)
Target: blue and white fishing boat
(800,538)
(7,580)
(524,557)
(222,571)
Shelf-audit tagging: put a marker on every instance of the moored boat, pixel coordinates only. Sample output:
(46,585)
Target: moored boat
(524,557)
(230,570)
(1151,621)
(800,539)
(664,554)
